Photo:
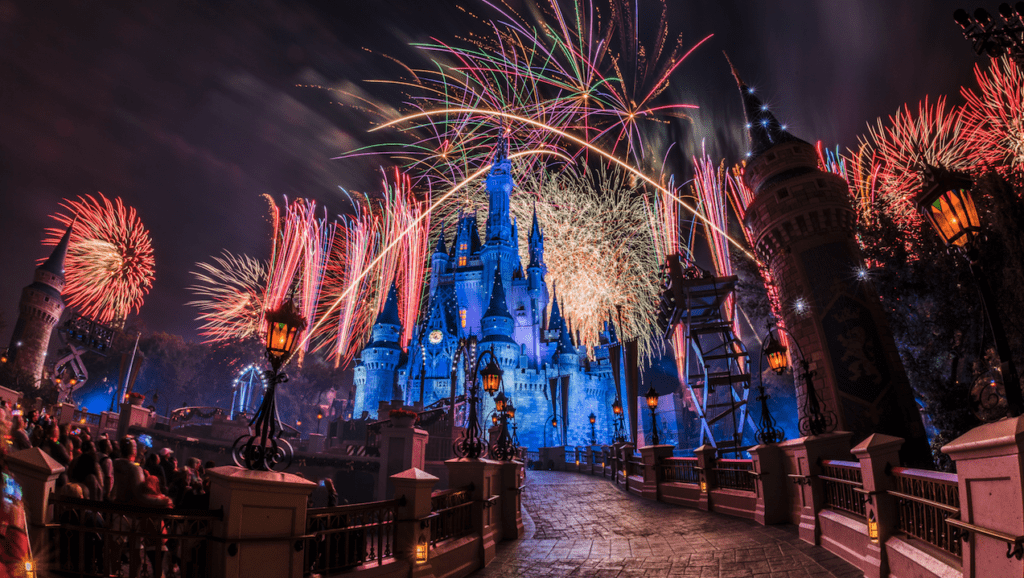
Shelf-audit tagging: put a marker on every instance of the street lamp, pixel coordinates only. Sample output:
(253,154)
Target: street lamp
(945,200)
(319,416)
(620,427)
(768,431)
(263,450)
(652,403)
(593,432)
(817,419)
(471,444)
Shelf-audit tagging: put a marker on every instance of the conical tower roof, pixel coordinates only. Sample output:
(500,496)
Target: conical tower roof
(440,247)
(497,307)
(55,263)
(764,129)
(565,345)
(389,315)
(555,320)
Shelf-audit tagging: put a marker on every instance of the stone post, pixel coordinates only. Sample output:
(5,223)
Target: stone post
(108,422)
(401,448)
(877,454)
(131,415)
(264,514)
(315,444)
(989,461)
(808,453)
(511,505)
(606,459)
(411,528)
(706,464)
(770,479)
(555,457)
(652,456)
(36,473)
(63,413)
(483,474)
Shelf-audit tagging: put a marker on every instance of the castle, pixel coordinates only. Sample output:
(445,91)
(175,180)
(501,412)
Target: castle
(482,289)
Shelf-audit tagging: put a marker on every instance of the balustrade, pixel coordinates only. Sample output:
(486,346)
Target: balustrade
(683,470)
(843,486)
(924,501)
(734,474)
(450,514)
(349,536)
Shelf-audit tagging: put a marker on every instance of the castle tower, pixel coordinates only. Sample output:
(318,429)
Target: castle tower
(380,359)
(536,288)
(39,311)
(438,262)
(499,249)
(803,225)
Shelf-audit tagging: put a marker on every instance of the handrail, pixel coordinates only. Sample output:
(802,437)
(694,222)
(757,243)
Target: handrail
(1014,544)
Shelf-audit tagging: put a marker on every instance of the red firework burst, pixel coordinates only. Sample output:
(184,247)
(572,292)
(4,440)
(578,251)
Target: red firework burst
(109,266)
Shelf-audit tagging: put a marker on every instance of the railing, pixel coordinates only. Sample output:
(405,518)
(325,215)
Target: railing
(532,456)
(734,474)
(451,514)
(634,466)
(94,539)
(84,417)
(193,416)
(682,470)
(349,536)
(925,499)
(584,457)
(570,456)
(843,486)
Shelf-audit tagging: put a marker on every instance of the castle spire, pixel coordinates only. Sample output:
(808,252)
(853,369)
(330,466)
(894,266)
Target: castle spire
(389,315)
(55,263)
(440,248)
(763,128)
(565,345)
(497,307)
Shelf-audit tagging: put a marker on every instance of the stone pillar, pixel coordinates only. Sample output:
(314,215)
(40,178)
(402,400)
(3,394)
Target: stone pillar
(705,455)
(315,444)
(555,457)
(108,422)
(877,454)
(411,528)
(131,415)
(401,448)
(484,475)
(511,504)
(264,513)
(36,473)
(63,413)
(770,479)
(808,452)
(989,461)
(606,459)
(652,456)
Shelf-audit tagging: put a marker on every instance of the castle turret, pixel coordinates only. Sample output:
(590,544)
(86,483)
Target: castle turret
(536,287)
(803,227)
(380,359)
(438,262)
(499,250)
(39,311)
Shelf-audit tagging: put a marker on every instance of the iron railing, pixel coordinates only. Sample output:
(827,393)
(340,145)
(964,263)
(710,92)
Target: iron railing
(683,470)
(925,499)
(734,475)
(91,539)
(634,467)
(570,456)
(348,536)
(532,456)
(843,486)
(451,514)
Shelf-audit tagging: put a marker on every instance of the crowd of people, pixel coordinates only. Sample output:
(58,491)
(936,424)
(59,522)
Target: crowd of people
(126,471)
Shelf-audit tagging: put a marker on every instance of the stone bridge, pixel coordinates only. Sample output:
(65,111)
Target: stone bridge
(577,525)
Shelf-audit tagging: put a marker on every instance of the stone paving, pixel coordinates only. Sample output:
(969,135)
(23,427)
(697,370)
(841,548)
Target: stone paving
(581,526)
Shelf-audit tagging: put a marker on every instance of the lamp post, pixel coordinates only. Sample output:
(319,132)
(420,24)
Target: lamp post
(652,403)
(817,419)
(593,432)
(995,36)
(620,427)
(768,431)
(319,416)
(945,200)
(263,450)
(504,448)
(471,444)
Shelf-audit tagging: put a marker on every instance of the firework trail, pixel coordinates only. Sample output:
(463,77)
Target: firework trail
(231,295)
(109,265)
(411,263)
(933,136)
(354,247)
(994,116)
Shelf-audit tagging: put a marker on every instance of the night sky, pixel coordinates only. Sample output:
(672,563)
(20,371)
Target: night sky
(190,111)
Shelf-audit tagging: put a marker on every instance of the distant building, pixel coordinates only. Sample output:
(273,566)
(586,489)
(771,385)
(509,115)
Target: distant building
(39,311)
(481,288)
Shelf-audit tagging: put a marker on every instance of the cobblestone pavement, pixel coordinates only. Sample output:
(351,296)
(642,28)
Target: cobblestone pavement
(584,527)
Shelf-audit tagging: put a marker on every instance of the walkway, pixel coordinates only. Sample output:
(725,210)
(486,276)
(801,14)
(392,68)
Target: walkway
(581,526)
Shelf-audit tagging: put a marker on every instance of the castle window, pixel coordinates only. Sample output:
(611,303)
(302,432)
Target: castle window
(462,317)
(462,261)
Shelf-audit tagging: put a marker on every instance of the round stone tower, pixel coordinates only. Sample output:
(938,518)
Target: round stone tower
(804,228)
(39,311)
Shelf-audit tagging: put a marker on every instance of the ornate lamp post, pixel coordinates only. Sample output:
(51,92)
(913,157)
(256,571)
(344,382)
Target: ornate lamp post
(768,431)
(593,432)
(263,450)
(319,416)
(504,449)
(471,444)
(620,428)
(945,200)
(652,403)
(817,420)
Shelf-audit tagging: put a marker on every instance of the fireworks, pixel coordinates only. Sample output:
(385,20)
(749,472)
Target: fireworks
(232,293)
(354,247)
(109,265)
(995,115)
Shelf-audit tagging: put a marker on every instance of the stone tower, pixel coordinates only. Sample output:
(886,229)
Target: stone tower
(803,226)
(376,376)
(39,311)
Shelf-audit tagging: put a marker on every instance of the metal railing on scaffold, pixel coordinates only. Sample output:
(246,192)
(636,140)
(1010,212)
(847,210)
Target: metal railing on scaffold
(348,536)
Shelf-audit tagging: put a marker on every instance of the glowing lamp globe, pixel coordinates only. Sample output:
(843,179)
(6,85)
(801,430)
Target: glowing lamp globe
(775,351)
(494,419)
(499,402)
(617,407)
(593,418)
(554,422)
(652,398)
(319,415)
(284,325)
(491,376)
(510,410)
(945,200)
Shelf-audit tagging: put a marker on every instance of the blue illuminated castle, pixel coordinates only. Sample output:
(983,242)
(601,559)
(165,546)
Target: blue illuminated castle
(481,288)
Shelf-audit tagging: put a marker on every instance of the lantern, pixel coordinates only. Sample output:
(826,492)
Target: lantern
(945,200)
(554,422)
(319,415)
(494,419)
(652,398)
(499,402)
(775,351)
(284,325)
(872,527)
(510,410)
(422,549)
(703,486)
(593,418)
(617,406)
(491,376)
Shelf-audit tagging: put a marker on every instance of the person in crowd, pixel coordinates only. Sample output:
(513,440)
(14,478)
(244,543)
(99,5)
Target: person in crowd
(14,545)
(19,437)
(52,445)
(332,494)
(154,468)
(104,451)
